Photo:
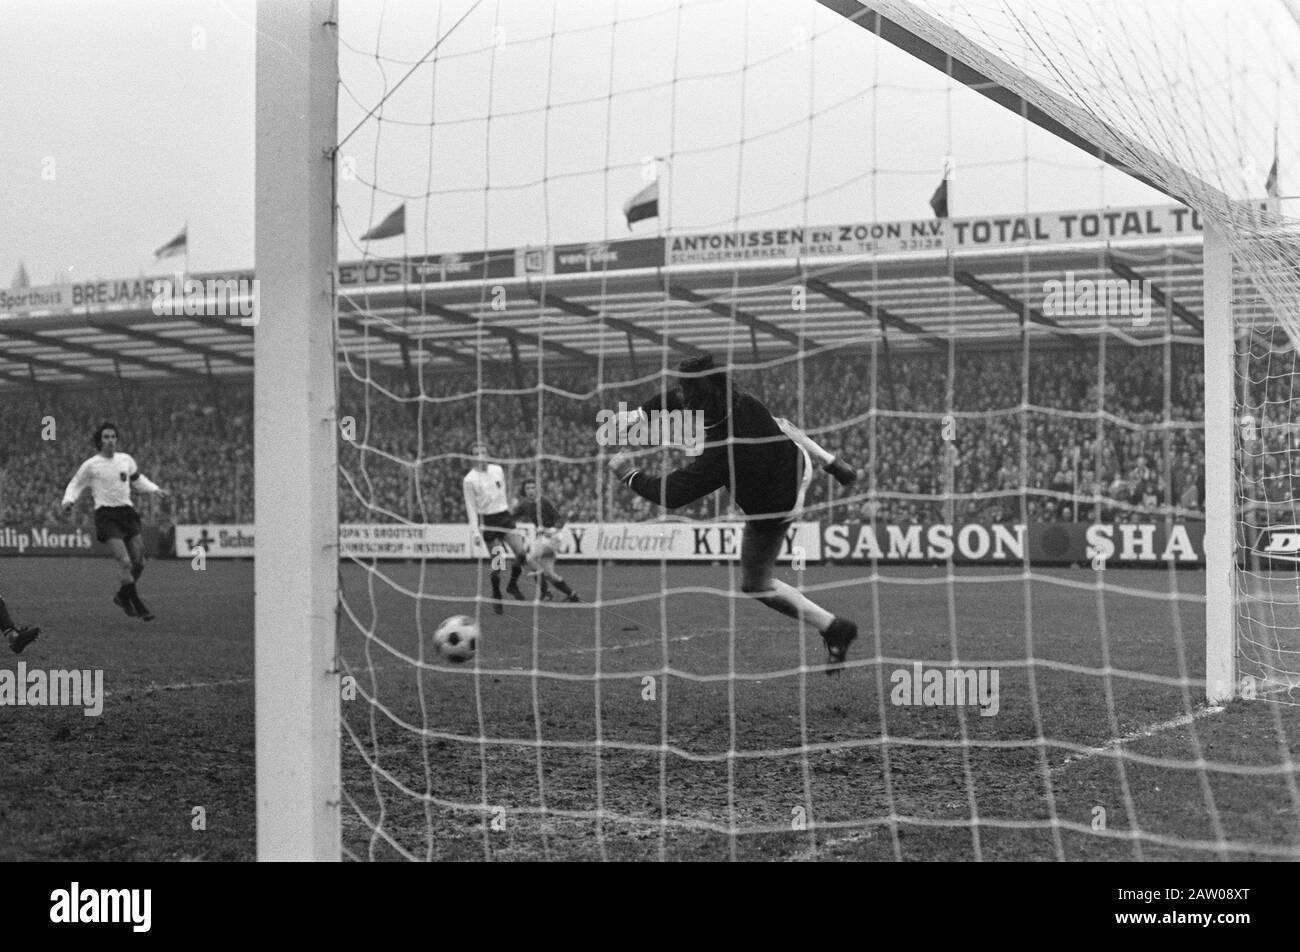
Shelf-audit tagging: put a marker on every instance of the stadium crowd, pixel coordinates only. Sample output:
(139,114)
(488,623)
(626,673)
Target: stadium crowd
(980,437)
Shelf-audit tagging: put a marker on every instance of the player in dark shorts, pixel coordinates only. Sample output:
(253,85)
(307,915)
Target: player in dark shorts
(116,522)
(539,510)
(749,453)
(487,510)
(111,476)
(18,638)
(496,527)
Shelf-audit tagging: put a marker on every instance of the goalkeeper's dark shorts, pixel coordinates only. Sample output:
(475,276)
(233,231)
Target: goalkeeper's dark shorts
(496,527)
(116,522)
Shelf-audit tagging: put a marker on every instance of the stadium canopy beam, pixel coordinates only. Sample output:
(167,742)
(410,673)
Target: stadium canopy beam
(102,352)
(163,340)
(935,43)
(38,361)
(872,310)
(412,381)
(239,329)
(631,355)
(753,322)
(1164,300)
(26,380)
(510,334)
(1014,305)
(358,326)
(616,323)
(517,367)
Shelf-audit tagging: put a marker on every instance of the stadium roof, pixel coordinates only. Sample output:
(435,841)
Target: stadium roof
(644,301)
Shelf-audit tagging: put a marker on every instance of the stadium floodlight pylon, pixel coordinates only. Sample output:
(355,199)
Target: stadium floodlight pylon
(1068,80)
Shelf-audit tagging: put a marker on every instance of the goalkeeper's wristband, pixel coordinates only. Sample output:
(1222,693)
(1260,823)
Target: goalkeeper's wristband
(631,476)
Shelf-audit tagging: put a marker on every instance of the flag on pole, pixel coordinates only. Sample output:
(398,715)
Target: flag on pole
(644,204)
(939,200)
(20,278)
(177,246)
(394,224)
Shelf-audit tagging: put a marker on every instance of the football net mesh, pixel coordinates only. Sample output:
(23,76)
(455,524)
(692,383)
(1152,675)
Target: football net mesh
(667,716)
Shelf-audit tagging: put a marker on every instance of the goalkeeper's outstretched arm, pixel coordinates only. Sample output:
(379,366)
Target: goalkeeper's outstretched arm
(680,487)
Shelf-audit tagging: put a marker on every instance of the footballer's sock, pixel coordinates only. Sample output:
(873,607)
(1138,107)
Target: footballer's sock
(124,600)
(141,608)
(137,570)
(6,623)
(127,595)
(844,474)
(563,586)
(513,588)
(496,583)
(543,588)
(792,603)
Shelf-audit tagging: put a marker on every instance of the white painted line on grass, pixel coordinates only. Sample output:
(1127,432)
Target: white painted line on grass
(1182,720)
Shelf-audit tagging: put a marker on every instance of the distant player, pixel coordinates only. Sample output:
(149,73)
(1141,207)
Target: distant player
(110,476)
(539,511)
(488,512)
(18,638)
(748,452)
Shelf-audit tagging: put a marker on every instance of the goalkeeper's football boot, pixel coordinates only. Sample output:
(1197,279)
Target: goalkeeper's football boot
(20,638)
(844,474)
(838,637)
(573,597)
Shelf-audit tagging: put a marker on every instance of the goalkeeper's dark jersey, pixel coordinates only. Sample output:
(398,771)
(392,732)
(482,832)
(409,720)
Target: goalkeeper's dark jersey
(529,510)
(747,453)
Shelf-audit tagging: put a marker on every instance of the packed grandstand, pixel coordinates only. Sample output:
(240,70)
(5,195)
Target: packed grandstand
(1096,442)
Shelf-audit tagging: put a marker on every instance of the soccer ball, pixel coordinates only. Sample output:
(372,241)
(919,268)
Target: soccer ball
(457,638)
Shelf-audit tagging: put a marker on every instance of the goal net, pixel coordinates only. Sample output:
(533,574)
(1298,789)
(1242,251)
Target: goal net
(1031,273)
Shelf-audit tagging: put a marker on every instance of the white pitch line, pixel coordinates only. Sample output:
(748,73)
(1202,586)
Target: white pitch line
(182,686)
(1182,720)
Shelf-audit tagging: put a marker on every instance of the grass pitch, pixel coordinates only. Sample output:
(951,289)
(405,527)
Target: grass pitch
(619,732)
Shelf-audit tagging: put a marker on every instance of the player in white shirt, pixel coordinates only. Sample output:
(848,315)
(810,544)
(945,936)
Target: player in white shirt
(110,475)
(18,638)
(487,508)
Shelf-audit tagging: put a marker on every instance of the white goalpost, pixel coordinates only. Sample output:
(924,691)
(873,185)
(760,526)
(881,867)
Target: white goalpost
(295,435)
(1220,491)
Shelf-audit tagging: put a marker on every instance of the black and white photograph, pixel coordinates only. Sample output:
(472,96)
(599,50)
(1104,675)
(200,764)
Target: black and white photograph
(626,431)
